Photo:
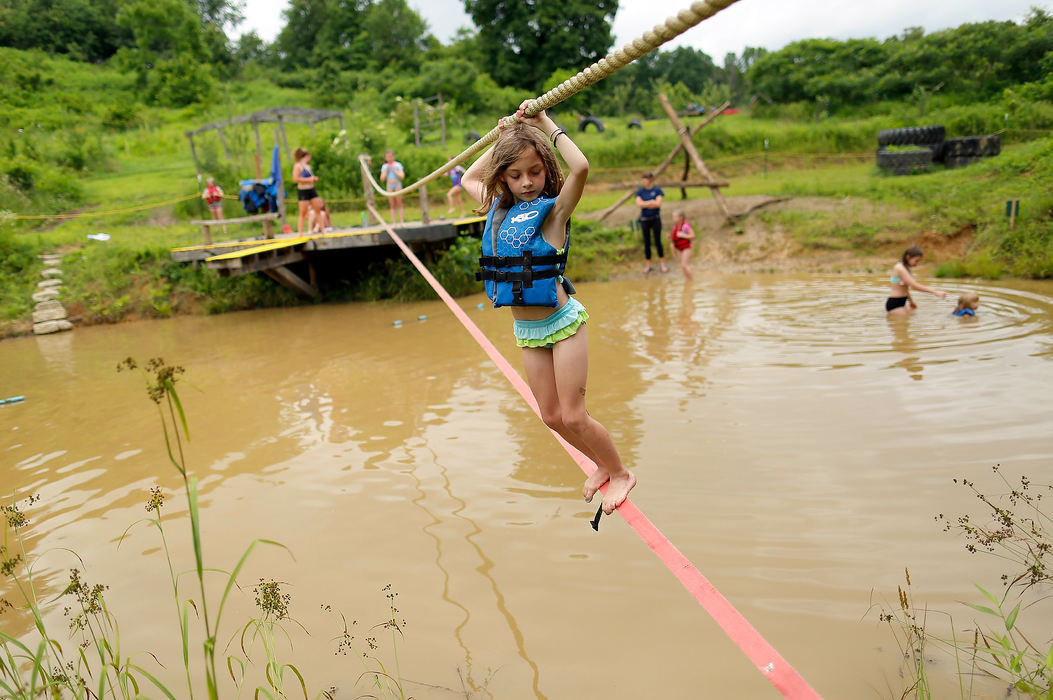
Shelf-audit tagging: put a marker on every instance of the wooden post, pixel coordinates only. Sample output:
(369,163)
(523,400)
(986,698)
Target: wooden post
(285,139)
(193,154)
(371,203)
(424,218)
(259,149)
(206,233)
(416,124)
(687,171)
(442,119)
(223,140)
(669,159)
(1012,208)
(281,192)
(689,146)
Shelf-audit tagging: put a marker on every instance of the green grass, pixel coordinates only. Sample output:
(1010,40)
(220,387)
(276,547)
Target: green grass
(89,147)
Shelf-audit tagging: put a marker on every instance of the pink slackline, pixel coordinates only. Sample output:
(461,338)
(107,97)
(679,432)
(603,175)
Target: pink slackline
(768,661)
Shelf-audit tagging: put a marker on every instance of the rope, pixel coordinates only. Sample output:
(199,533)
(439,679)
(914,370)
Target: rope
(768,661)
(649,41)
(106,213)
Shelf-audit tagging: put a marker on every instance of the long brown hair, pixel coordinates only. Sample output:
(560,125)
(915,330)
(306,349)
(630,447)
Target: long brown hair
(510,145)
(912,252)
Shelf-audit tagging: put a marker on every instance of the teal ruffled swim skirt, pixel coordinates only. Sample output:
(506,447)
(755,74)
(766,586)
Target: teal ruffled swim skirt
(548,331)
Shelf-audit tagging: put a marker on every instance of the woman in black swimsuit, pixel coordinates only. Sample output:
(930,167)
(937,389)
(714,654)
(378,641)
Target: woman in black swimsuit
(306,194)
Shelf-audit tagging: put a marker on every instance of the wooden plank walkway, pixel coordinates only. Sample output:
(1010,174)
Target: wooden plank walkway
(272,255)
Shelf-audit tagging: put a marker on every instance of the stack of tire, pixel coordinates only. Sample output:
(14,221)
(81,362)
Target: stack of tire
(914,149)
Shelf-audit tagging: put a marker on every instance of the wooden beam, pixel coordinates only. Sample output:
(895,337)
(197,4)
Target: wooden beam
(236,220)
(370,199)
(672,184)
(669,159)
(285,139)
(290,279)
(223,140)
(689,146)
(193,154)
(424,218)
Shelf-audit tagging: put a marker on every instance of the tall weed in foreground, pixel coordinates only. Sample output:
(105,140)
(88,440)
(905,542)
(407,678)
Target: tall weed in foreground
(96,667)
(1016,529)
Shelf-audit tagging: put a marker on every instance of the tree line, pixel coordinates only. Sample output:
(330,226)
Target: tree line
(342,50)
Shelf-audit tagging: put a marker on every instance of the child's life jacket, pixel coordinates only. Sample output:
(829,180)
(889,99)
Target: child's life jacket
(518,266)
(213,194)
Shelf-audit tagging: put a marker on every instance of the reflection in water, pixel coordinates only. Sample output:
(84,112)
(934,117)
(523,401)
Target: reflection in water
(789,439)
(903,343)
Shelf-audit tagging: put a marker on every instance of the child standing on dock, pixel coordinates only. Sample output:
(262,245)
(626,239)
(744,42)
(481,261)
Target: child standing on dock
(392,173)
(213,196)
(306,194)
(521,187)
(453,196)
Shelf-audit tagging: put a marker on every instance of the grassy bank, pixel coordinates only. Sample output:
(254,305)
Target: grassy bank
(115,167)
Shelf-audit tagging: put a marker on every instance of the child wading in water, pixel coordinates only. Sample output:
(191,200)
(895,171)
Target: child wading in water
(520,181)
(681,237)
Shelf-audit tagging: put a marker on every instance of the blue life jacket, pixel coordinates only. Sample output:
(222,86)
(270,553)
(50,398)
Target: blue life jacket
(518,266)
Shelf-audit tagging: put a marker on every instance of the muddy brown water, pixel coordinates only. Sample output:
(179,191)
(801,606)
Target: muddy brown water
(790,440)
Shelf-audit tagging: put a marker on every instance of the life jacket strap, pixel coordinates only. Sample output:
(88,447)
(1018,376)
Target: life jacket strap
(524,260)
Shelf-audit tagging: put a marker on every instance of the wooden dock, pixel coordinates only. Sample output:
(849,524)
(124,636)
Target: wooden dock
(272,256)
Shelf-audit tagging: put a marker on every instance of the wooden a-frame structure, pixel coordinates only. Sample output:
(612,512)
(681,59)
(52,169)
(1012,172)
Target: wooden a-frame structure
(691,156)
(281,115)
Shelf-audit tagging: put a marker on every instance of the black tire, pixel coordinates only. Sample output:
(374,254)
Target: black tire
(904,162)
(912,136)
(635,124)
(938,151)
(471,137)
(960,161)
(595,121)
(990,145)
(964,147)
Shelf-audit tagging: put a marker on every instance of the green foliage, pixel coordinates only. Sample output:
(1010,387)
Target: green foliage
(81,29)
(524,43)
(352,35)
(181,81)
(1015,528)
(971,62)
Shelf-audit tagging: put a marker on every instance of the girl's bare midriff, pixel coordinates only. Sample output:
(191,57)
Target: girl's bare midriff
(537,313)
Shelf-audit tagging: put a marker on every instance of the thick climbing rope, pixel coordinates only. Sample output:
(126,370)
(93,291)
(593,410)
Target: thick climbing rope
(768,661)
(644,44)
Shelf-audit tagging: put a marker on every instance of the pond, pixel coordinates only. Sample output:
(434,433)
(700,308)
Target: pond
(790,440)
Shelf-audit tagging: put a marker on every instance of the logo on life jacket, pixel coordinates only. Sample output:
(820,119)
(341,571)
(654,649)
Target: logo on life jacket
(527,216)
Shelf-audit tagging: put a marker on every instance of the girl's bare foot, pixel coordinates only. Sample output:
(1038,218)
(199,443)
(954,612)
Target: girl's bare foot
(594,482)
(617,491)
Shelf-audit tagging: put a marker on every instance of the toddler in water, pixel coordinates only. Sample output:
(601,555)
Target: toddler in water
(521,186)
(967,304)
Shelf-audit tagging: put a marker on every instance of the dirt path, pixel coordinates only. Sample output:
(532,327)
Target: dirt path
(759,242)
